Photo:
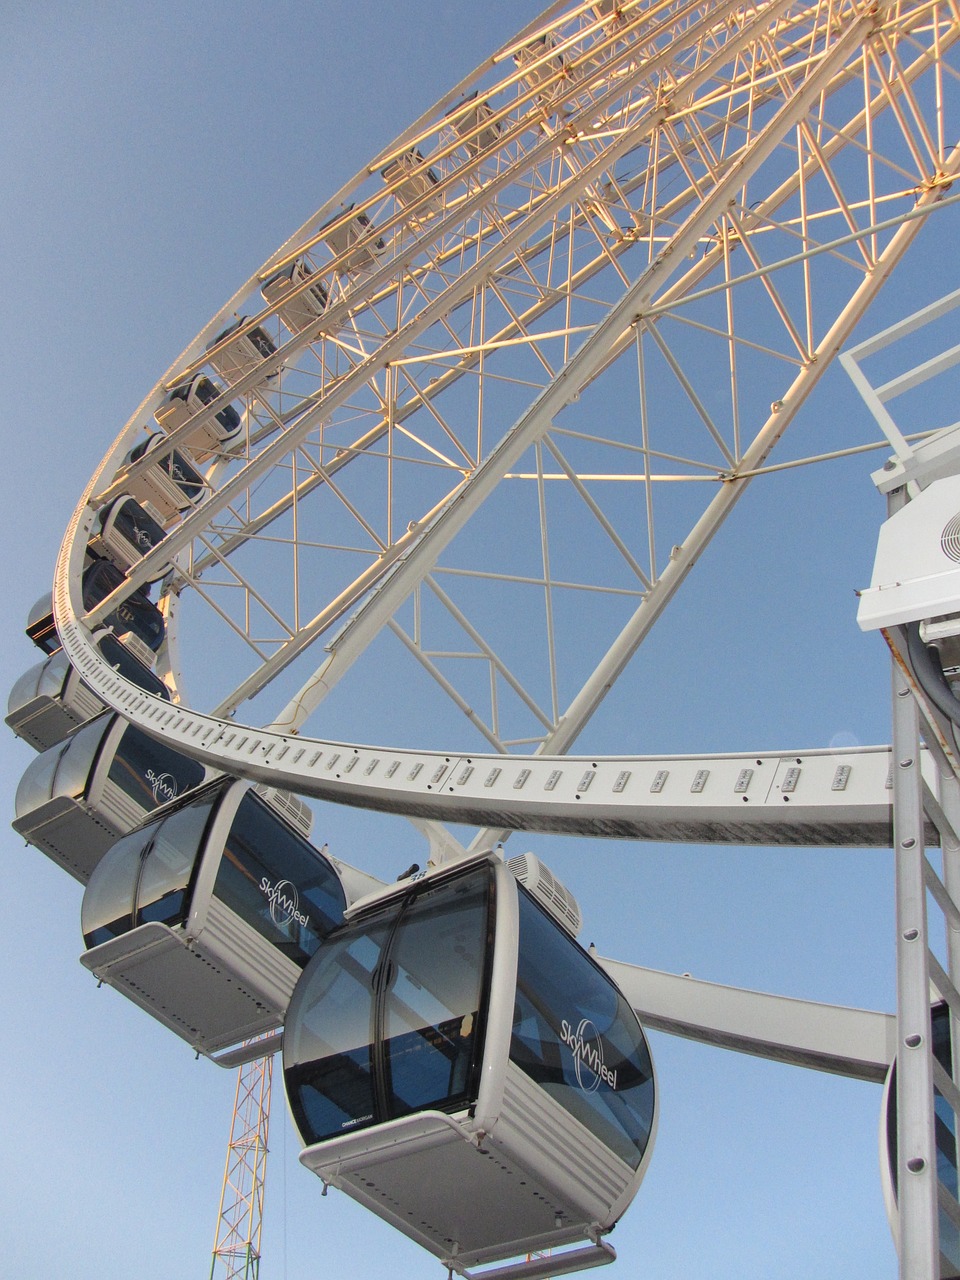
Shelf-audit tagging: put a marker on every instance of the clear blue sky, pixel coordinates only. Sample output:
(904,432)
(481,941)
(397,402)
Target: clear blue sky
(153,156)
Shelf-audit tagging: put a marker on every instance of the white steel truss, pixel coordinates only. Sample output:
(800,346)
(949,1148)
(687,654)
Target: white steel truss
(576,305)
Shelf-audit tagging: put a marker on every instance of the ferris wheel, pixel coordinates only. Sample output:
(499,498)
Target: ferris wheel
(493,402)
(519,370)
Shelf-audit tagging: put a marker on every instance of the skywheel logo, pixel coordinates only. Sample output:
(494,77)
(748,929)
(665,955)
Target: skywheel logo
(163,785)
(587,1048)
(284,902)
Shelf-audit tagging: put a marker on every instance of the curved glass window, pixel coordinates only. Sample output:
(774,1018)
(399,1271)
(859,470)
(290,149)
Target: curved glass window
(278,882)
(388,1018)
(147,874)
(329,1034)
(40,628)
(150,772)
(64,769)
(45,679)
(131,668)
(135,614)
(578,1039)
(945,1137)
(134,525)
(36,786)
(206,391)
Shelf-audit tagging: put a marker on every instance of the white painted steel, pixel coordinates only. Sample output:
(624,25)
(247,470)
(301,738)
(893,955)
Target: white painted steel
(849,1042)
(917,1178)
(445,243)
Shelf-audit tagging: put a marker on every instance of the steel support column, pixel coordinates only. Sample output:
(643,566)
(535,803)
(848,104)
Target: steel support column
(916,1154)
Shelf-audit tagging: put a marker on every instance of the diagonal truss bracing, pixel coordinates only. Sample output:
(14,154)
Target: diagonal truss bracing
(529,360)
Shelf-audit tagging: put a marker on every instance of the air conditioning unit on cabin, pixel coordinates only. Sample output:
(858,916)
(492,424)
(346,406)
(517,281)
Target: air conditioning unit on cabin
(548,891)
(296,811)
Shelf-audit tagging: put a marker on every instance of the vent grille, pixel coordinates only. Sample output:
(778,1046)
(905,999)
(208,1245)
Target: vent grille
(296,811)
(547,890)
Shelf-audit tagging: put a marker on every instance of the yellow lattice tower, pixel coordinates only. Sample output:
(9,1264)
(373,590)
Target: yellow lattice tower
(236,1251)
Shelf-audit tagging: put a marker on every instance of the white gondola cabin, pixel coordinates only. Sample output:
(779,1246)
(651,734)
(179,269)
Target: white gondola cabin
(126,533)
(233,353)
(170,486)
(455,1062)
(473,121)
(76,798)
(184,402)
(50,700)
(351,239)
(296,307)
(206,915)
(40,627)
(414,183)
(136,621)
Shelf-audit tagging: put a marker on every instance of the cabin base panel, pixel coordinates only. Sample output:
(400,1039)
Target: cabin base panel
(43,722)
(184,988)
(69,834)
(468,1203)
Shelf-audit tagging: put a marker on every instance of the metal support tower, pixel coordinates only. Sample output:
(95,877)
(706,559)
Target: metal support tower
(236,1251)
(927,1220)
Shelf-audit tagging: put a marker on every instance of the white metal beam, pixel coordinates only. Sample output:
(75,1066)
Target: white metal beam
(824,1037)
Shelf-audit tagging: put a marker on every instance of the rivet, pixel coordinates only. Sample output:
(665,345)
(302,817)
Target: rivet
(913,1042)
(911,935)
(908,843)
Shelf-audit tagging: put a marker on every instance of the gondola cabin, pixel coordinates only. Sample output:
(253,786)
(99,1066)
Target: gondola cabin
(170,486)
(126,533)
(49,701)
(297,308)
(136,621)
(184,402)
(77,797)
(455,1062)
(414,184)
(350,238)
(206,915)
(234,353)
(40,625)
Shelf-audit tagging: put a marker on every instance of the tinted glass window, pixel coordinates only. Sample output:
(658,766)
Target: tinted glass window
(206,391)
(577,1037)
(262,341)
(388,1018)
(944,1136)
(277,882)
(123,661)
(329,1035)
(165,878)
(431,1016)
(40,628)
(135,614)
(187,478)
(133,524)
(150,772)
(110,897)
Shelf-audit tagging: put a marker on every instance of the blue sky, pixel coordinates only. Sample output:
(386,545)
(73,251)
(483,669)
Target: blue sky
(155,155)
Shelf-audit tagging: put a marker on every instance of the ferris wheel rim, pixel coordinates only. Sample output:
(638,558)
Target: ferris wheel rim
(135,705)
